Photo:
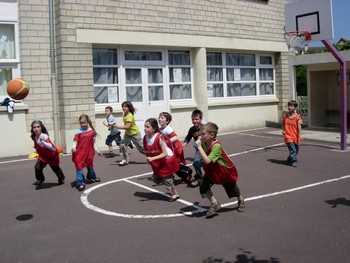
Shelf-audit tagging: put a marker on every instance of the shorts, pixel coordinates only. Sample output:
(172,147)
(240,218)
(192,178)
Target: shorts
(113,137)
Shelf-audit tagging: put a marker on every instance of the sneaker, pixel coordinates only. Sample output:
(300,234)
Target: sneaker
(173,198)
(110,155)
(39,183)
(295,164)
(131,145)
(241,206)
(81,187)
(124,162)
(213,209)
(61,180)
(96,179)
(195,183)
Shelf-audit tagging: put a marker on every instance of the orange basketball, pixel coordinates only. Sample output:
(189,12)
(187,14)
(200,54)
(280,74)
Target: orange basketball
(18,89)
(59,149)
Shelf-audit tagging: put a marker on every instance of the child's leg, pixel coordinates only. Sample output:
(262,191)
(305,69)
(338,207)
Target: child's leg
(80,179)
(205,191)
(39,174)
(91,175)
(109,141)
(137,140)
(292,153)
(123,148)
(59,173)
(232,190)
(197,164)
(170,186)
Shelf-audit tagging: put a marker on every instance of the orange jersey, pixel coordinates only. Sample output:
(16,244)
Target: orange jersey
(291,128)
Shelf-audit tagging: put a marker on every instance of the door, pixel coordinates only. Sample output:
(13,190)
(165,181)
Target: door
(144,87)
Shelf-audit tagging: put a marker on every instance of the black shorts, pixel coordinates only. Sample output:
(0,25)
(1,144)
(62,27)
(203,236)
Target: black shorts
(231,189)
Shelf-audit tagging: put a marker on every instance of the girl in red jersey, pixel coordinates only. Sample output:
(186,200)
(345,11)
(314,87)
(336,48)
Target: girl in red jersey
(83,152)
(160,157)
(47,152)
(218,168)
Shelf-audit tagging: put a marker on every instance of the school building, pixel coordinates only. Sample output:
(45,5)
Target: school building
(226,58)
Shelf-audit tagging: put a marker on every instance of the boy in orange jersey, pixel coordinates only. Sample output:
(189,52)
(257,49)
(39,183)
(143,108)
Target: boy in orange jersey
(291,130)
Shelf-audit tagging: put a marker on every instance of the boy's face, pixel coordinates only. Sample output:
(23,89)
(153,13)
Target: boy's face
(162,121)
(291,108)
(196,121)
(207,137)
(108,112)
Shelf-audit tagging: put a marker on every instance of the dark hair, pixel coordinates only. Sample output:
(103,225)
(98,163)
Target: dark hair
(43,128)
(211,127)
(166,115)
(154,123)
(131,108)
(109,108)
(197,113)
(293,103)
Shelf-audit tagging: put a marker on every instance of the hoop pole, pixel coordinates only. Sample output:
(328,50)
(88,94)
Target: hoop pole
(344,97)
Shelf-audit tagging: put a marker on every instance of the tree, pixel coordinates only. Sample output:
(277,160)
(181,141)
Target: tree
(301,79)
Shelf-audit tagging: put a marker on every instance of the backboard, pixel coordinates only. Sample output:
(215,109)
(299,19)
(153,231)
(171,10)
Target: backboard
(315,16)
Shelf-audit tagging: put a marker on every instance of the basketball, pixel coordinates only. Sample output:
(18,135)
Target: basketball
(18,89)
(59,149)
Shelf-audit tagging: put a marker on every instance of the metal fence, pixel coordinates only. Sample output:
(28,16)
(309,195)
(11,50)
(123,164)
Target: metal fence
(303,108)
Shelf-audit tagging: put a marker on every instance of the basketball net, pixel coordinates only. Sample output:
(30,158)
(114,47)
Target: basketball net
(297,38)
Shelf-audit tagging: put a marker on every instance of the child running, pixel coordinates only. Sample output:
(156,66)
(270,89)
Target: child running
(291,130)
(47,154)
(218,169)
(83,152)
(194,133)
(132,132)
(160,157)
(114,133)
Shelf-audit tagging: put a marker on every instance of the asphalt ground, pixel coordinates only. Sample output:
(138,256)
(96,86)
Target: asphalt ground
(293,214)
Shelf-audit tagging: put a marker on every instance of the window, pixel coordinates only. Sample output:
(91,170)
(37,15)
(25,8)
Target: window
(236,74)
(179,75)
(105,70)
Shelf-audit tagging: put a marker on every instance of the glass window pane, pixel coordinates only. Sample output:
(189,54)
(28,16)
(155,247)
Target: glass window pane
(265,60)
(266,89)
(105,75)
(134,93)
(215,90)
(234,89)
(248,89)
(155,93)
(240,59)
(104,56)
(155,75)
(179,57)
(180,92)
(180,74)
(214,59)
(133,76)
(5,77)
(7,41)
(238,74)
(106,94)
(214,74)
(266,74)
(143,55)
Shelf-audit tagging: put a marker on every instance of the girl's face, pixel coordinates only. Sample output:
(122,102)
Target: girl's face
(196,121)
(36,129)
(84,124)
(149,130)
(125,109)
(162,121)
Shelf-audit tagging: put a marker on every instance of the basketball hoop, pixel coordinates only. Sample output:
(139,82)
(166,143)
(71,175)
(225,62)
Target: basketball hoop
(297,38)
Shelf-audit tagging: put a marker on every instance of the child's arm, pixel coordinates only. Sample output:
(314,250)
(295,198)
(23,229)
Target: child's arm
(47,145)
(300,122)
(96,149)
(283,126)
(160,156)
(205,157)
(74,146)
(124,127)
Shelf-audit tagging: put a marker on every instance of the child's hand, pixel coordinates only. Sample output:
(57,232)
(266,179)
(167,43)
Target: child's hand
(74,150)
(199,142)
(99,153)
(149,160)
(184,144)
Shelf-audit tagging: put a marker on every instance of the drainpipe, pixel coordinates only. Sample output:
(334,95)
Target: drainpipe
(53,76)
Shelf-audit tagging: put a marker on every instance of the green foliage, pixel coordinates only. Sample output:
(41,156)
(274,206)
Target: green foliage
(342,47)
(301,79)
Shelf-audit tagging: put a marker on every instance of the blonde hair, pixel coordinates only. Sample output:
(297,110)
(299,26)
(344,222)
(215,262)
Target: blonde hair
(211,127)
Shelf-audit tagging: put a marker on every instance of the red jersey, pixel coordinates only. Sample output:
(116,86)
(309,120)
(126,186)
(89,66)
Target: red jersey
(85,151)
(178,150)
(162,167)
(219,173)
(46,155)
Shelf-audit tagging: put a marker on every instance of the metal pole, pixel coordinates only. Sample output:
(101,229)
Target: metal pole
(344,96)
(53,76)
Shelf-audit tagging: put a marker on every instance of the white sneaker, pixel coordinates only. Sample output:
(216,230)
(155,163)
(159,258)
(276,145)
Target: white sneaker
(124,162)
